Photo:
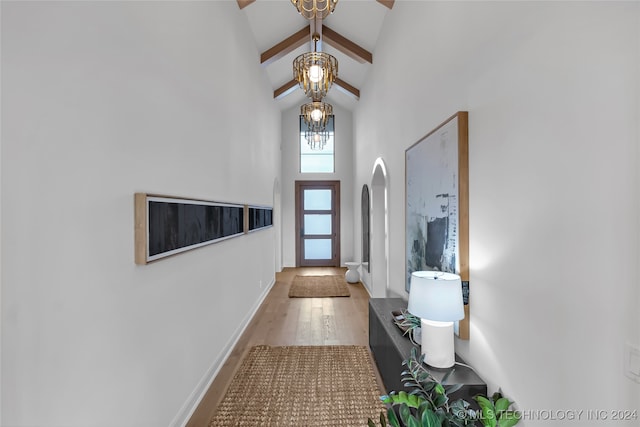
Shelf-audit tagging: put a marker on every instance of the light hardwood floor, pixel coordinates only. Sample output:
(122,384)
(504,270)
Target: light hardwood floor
(281,320)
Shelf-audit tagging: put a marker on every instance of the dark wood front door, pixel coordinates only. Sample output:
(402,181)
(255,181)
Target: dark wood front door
(318,223)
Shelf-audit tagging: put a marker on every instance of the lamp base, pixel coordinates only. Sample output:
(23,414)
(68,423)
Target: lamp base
(437,343)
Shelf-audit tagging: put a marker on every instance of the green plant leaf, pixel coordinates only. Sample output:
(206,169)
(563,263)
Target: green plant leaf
(502,404)
(405,414)
(414,353)
(484,402)
(450,389)
(383,420)
(488,413)
(413,401)
(440,400)
(460,409)
(446,376)
(403,397)
(424,406)
(391,416)
(430,419)
(427,385)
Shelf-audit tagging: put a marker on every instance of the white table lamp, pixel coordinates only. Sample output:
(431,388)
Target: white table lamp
(436,298)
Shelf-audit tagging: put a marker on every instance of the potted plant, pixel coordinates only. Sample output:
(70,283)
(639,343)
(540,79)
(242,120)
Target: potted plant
(428,404)
(408,324)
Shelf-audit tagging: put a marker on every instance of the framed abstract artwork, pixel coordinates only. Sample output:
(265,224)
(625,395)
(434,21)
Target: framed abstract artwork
(437,205)
(259,217)
(166,226)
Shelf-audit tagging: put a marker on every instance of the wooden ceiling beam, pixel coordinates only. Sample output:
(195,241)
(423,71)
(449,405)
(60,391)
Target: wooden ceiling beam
(292,85)
(346,46)
(347,88)
(287,45)
(285,89)
(244,3)
(388,3)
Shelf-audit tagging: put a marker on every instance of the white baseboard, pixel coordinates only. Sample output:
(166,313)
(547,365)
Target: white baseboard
(366,286)
(189,407)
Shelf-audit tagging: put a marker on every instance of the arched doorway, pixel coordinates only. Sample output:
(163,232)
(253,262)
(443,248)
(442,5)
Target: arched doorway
(379,231)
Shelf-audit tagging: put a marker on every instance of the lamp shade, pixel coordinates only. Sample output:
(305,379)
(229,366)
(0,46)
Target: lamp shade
(435,295)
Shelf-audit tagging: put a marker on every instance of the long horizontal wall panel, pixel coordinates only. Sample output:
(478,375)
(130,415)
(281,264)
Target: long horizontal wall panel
(167,226)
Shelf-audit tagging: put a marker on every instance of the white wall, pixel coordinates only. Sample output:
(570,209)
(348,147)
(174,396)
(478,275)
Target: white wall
(552,90)
(291,174)
(101,100)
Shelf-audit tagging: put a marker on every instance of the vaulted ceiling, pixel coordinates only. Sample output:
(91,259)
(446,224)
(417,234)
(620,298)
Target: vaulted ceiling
(350,34)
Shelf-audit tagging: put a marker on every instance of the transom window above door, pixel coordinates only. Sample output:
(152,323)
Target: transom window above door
(317,156)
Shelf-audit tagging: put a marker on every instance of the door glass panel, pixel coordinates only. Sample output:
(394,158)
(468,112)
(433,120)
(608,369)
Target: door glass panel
(317,249)
(317,224)
(316,200)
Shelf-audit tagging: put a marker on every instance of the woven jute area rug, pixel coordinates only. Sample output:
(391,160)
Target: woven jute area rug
(306,386)
(318,287)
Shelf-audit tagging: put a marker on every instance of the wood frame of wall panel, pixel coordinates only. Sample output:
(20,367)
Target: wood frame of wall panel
(140,231)
(462,118)
(463,213)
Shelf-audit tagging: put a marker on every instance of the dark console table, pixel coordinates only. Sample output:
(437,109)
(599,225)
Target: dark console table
(390,348)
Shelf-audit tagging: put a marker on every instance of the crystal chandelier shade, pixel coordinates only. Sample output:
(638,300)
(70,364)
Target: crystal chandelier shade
(311,9)
(315,72)
(316,140)
(316,115)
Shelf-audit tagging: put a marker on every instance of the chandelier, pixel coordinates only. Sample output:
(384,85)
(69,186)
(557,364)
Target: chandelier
(316,115)
(316,140)
(311,9)
(315,72)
